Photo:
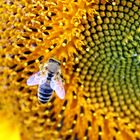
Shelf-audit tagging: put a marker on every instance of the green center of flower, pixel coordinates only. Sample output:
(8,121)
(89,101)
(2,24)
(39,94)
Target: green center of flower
(109,66)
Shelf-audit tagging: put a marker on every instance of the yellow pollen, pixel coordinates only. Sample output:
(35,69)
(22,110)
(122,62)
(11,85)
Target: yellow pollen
(47,51)
(64,44)
(64,63)
(77,69)
(100,133)
(74,96)
(51,47)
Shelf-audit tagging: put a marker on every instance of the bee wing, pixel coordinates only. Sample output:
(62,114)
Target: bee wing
(58,87)
(35,79)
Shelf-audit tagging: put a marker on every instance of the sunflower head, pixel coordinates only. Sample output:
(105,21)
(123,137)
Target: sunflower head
(98,45)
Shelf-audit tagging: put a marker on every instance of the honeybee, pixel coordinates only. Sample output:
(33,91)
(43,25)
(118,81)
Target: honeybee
(49,80)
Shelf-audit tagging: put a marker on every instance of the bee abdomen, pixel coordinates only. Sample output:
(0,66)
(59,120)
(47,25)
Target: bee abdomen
(44,97)
(44,93)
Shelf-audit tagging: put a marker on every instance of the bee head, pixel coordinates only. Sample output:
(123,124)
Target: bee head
(53,65)
(53,60)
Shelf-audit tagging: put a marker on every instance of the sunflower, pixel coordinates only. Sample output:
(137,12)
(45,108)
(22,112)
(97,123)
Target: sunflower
(98,45)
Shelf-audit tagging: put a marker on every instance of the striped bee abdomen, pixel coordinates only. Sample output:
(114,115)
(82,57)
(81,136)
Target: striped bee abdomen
(44,92)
